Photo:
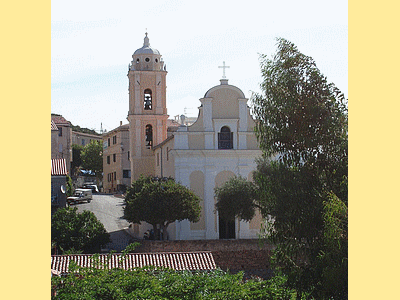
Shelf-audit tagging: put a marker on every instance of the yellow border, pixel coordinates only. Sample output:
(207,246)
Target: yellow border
(25,151)
(374,205)
(374,163)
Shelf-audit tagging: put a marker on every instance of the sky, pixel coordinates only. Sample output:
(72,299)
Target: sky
(92,43)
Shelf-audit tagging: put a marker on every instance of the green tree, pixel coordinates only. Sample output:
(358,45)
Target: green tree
(92,158)
(160,202)
(77,232)
(333,258)
(236,199)
(302,122)
(301,116)
(76,158)
(70,188)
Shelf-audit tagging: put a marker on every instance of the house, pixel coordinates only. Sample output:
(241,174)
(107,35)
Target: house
(82,138)
(61,146)
(116,159)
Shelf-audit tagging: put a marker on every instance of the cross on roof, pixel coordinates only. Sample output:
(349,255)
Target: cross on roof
(223,67)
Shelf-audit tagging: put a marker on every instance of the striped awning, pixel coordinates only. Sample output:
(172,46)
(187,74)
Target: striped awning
(53,126)
(58,167)
(190,261)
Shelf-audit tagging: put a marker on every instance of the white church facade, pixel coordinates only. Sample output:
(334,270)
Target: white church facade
(202,156)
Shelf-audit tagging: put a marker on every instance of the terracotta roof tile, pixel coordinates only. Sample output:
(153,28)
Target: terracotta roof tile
(190,261)
(60,120)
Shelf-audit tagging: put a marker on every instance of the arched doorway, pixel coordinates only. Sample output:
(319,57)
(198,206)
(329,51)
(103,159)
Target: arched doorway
(227,229)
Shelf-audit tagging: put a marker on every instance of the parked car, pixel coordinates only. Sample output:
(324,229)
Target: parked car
(80,195)
(93,187)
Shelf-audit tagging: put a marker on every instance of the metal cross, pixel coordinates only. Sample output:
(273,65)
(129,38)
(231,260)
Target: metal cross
(223,67)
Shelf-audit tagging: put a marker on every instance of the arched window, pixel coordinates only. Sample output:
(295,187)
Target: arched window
(148,102)
(225,138)
(149,136)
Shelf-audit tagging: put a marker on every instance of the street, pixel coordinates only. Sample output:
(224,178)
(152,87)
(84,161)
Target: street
(109,210)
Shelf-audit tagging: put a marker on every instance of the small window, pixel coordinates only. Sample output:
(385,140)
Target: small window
(126,173)
(137,60)
(114,139)
(83,142)
(109,142)
(225,138)
(59,131)
(115,175)
(167,153)
(108,159)
(148,102)
(149,136)
(114,157)
(128,155)
(156,60)
(147,59)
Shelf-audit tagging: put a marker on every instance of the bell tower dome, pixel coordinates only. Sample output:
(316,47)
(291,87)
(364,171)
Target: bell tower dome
(146,58)
(147,114)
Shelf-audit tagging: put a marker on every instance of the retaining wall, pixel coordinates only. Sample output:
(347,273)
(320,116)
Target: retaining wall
(236,255)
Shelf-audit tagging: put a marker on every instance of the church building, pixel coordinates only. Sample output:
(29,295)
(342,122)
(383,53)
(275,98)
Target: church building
(219,145)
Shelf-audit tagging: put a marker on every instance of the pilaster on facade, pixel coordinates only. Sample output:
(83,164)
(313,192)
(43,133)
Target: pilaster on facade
(243,114)
(207,113)
(209,140)
(210,172)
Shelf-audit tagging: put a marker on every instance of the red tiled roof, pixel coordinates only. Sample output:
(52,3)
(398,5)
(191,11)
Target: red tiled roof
(58,167)
(60,120)
(190,261)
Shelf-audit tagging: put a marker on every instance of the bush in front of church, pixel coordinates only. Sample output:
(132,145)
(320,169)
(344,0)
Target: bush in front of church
(160,202)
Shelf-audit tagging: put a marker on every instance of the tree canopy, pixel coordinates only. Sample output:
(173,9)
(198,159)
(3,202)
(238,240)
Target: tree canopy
(159,202)
(92,158)
(302,122)
(301,116)
(76,163)
(236,199)
(77,232)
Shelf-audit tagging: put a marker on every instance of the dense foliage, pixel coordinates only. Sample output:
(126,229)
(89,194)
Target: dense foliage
(76,163)
(77,232)
(302,122)
(70,187)
(165,284)
(301,180)
(300,115)
(236,199)
(92,158)
(160,202)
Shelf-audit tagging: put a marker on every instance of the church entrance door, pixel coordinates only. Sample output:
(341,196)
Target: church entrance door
(226,229)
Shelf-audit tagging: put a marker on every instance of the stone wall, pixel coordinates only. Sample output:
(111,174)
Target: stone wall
(236,255)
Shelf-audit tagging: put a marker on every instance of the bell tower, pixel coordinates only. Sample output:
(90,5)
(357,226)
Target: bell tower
(147,114)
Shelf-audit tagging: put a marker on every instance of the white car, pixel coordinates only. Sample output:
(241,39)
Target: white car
(93,187)
(80,195)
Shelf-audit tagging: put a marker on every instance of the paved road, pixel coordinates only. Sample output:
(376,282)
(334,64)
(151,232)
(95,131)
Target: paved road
(109,210)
